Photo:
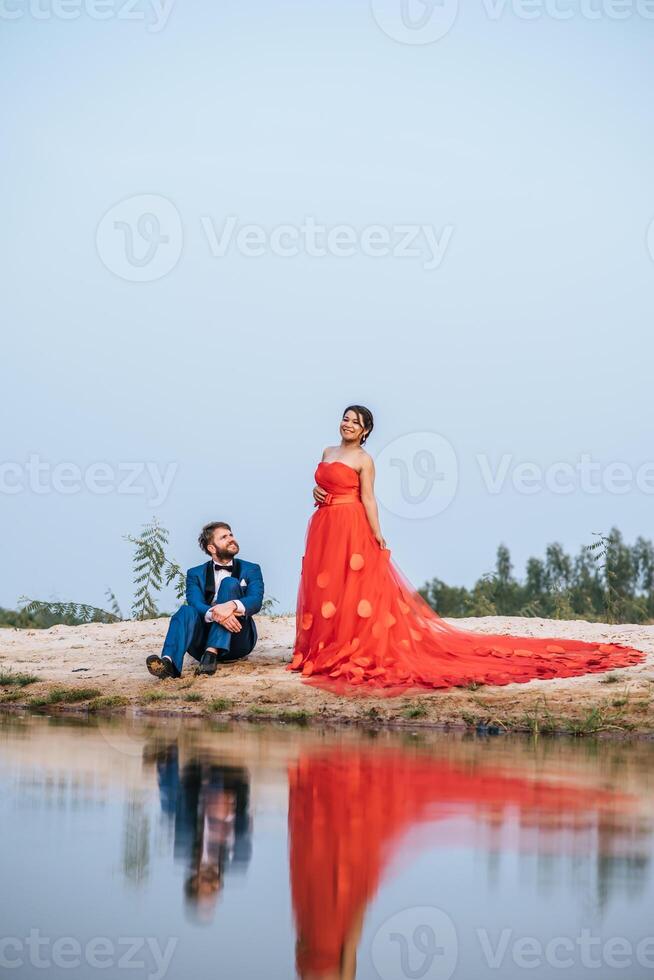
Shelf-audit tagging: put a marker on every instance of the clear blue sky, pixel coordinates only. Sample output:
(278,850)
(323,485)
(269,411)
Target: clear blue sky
(531,141)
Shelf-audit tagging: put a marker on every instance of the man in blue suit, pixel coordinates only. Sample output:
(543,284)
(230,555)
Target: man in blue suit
(216,624)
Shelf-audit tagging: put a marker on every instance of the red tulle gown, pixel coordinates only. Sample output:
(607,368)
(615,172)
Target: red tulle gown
(360,623)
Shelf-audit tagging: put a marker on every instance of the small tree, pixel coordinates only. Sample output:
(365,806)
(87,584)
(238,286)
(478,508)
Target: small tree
(152,571)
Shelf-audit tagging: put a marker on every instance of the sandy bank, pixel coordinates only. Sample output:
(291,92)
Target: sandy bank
(110,660)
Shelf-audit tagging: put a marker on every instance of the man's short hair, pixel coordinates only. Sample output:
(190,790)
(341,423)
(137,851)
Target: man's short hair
(206,534)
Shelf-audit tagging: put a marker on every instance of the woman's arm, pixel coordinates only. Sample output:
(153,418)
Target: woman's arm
(319,494)
(367,476)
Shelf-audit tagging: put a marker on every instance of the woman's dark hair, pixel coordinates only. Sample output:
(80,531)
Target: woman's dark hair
(365,417)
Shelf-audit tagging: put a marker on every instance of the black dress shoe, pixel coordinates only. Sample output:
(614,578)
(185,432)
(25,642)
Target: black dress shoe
(208,664)
(161,667)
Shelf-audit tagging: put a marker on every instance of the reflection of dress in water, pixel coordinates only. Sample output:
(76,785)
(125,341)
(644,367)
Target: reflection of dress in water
(348,810)
(360,624)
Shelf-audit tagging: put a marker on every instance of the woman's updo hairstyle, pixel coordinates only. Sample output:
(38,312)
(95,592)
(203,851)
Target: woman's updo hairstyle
(365,417)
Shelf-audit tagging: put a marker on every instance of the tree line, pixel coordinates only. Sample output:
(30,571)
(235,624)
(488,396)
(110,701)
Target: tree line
(608,581)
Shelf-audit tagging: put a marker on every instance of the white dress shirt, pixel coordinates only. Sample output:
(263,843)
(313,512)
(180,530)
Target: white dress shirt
(218,576)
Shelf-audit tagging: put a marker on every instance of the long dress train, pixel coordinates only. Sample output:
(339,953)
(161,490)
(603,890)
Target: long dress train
(360,622)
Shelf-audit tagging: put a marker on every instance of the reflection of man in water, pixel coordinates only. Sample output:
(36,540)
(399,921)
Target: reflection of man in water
(209,805)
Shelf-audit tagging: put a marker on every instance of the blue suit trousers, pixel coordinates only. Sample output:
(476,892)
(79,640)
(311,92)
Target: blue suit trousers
(189,633)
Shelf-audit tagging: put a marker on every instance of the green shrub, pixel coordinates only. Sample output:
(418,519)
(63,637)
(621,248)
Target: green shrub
(10,679)
(219,704)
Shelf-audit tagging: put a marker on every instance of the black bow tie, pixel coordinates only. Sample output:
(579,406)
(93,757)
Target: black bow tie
(223,568)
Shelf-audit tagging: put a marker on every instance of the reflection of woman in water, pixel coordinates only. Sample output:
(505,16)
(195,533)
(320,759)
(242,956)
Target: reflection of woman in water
(209,805)
(348,810)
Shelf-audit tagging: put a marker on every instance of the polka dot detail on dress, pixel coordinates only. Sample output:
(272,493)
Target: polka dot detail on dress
(328,610)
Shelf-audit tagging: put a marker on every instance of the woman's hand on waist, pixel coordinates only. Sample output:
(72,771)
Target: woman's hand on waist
(319,495)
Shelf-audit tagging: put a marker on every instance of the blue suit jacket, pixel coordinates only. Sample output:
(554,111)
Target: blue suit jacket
(200,586)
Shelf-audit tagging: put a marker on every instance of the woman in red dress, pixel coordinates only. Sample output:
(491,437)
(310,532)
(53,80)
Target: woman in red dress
(359,621)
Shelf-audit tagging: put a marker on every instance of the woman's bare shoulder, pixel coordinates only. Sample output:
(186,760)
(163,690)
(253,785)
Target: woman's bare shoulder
(365,461)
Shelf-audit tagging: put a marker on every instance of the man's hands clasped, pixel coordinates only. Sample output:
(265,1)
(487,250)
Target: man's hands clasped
(225,614)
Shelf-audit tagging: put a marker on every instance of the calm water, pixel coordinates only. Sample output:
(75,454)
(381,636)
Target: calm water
(182,851)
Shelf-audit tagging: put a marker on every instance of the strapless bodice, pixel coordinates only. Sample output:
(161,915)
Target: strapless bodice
(337,478)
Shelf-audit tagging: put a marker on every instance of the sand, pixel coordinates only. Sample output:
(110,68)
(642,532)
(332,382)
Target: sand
(110,659)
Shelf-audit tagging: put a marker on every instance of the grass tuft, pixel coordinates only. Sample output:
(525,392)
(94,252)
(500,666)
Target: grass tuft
(415,711)
(72,695)
(219,704)
(107,702)
(150,697)
(10,696)
(10,679)
(65,695)
(193,696)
